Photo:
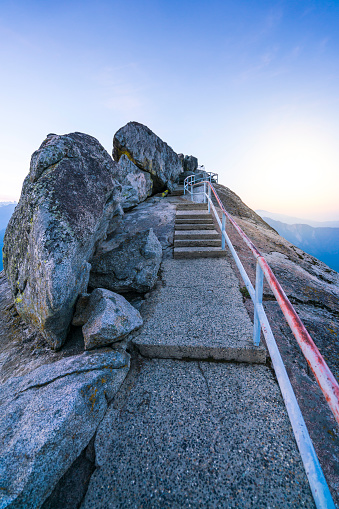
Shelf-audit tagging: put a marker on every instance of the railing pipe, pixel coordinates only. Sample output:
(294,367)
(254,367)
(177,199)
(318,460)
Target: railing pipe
(321,371)
(223,231)
(320,491)
(259,284)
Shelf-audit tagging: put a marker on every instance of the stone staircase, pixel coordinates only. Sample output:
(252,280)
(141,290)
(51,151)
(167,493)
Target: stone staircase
(195,235)
(178,190)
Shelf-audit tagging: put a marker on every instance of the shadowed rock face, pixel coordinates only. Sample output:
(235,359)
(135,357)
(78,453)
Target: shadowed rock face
(66,203)
(147,151)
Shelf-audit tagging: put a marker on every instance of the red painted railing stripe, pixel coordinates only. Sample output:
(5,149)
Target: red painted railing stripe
(322,372)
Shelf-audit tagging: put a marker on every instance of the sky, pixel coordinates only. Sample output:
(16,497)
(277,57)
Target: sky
(250,87)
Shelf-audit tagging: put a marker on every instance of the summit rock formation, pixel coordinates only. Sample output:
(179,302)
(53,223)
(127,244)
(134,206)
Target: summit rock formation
(87,225)
(149,153)
(66,203)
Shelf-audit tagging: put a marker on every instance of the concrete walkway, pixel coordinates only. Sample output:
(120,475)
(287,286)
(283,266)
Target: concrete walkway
(199,314)
(192,433)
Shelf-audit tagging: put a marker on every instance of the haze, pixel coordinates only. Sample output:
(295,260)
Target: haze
(249,87)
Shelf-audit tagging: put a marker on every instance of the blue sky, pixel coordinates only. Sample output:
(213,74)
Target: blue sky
(249,87)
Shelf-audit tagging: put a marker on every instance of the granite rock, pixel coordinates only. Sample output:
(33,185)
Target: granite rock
(48,417)
(66,204)
(136,184)
(107,318)
(149,153)
(190,163)
(132,265)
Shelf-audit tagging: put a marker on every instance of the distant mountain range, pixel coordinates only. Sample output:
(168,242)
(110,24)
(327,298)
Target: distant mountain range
(297,220)
(321,241)
(6,210)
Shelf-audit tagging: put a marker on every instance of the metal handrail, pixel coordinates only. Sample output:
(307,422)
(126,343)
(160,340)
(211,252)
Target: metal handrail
(194,179)
(324,377)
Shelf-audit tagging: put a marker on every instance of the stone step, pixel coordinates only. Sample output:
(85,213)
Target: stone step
(205,220)
(190,226)
(199,314)
(193,213)
(178,191)
(190,215)
(197,243)
(196,234)
(198,252)
(192,206)
(235,353)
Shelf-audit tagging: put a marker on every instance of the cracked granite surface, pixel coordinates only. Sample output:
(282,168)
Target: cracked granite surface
(197,434)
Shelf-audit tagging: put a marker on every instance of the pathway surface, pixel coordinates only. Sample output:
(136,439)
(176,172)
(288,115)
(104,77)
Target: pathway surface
(192,433)
(199,313)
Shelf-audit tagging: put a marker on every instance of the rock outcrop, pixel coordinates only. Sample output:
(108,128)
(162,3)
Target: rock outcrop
(48,417)
(190,163)
(51,402)
(133,265)
(66,204)
(136,184)
(106,317)
(149,153)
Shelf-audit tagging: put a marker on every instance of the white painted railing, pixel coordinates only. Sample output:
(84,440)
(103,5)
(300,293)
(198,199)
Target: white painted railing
(325,378)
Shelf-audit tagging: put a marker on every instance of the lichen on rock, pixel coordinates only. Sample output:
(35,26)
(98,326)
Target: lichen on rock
(66,204)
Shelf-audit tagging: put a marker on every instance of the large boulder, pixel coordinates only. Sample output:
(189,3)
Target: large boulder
(147,151)
(190,163)
(136,184)
(67,201)
(132,265)
(106,318)
(48,417)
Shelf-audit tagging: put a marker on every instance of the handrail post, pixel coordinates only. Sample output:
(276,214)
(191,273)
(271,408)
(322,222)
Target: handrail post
(204,192)
(209,198)
(259,284)
(223,229)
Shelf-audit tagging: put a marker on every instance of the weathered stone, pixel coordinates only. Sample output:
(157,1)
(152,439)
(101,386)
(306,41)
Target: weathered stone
(66,203)
(107,318)
(48,417)
(149,153)
(136,184)
(132,265)
(190,163)
(155,212)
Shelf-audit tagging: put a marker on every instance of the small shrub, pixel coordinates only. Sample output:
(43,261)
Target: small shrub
(244,292)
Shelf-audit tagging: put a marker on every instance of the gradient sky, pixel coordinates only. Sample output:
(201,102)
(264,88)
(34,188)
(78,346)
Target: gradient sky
(249,87)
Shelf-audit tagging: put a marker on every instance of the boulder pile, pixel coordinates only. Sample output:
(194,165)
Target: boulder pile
(66,203)
(87,235)
(72,193)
